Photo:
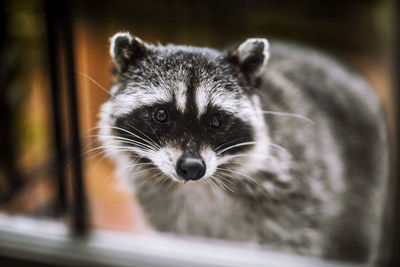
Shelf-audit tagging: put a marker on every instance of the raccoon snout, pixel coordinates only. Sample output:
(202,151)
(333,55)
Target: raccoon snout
(190,168)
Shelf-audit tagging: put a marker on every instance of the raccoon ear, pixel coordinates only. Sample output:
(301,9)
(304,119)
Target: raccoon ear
(124,48)
(251,56)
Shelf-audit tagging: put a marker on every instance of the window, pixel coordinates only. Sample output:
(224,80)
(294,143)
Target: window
(59,199)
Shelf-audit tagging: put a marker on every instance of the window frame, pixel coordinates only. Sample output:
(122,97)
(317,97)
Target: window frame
(51,242)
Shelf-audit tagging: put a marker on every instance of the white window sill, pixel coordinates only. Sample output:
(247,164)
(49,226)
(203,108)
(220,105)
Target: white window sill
(50,242)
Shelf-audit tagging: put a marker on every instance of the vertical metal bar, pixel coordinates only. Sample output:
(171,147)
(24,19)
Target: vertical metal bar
(395,253)
(52,21)
(79,208)
(9,71)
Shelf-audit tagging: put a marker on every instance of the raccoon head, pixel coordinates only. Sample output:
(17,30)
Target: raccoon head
(186,113)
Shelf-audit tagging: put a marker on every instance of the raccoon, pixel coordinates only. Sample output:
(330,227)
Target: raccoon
(268,143)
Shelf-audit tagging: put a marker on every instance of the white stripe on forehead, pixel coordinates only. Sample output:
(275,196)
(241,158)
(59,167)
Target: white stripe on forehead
(218,97)
(138,97)
(181,96)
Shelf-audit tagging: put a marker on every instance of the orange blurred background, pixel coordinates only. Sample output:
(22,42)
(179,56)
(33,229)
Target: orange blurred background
(358,32)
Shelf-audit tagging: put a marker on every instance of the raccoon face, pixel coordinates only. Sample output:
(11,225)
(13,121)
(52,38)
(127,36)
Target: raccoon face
(185,113)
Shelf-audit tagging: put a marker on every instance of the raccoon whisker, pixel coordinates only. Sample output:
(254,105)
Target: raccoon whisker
(137,145)
(246,154)
(152,144)
(223,185)
(289,115)
(239,173)
(86,156)
(149,178)
(161,179)
(133,166)
(102,157)
(93,81)
(222,177)
(113,152)
(98,161)
(208,181)
(226,159)
(166,179)
(212,179)
(150,139)
(212,183)
(136,150)
(239,163)
(128,141)
(129,166)
(154,132)
(158,179)
(205,180)
(280,148)
(106,153)
(143,164)
(120,140)
(230,141)
(132,144)
(233,146)
(226,186)
(99,153)
(122,148)
(170,183)
(89,142)
(130,133)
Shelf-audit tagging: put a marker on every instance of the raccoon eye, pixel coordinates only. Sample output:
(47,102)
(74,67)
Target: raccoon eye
(160,115)
(215,121)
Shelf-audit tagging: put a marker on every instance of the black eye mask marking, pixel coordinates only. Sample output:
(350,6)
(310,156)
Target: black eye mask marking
(155,126)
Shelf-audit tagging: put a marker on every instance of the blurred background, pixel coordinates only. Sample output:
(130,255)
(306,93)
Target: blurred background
(359,32)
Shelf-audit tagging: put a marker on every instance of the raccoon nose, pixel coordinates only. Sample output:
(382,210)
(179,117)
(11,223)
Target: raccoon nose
(190,168)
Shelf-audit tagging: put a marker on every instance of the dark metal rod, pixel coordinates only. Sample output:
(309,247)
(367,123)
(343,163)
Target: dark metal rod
(79,208)
(52,22)
(395,253)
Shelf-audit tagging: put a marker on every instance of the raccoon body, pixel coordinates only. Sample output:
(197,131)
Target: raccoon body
(268,143)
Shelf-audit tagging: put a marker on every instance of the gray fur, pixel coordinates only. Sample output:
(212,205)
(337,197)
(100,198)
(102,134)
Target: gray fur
(321,195)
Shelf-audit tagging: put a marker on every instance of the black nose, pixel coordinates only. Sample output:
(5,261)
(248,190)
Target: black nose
(190,168)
